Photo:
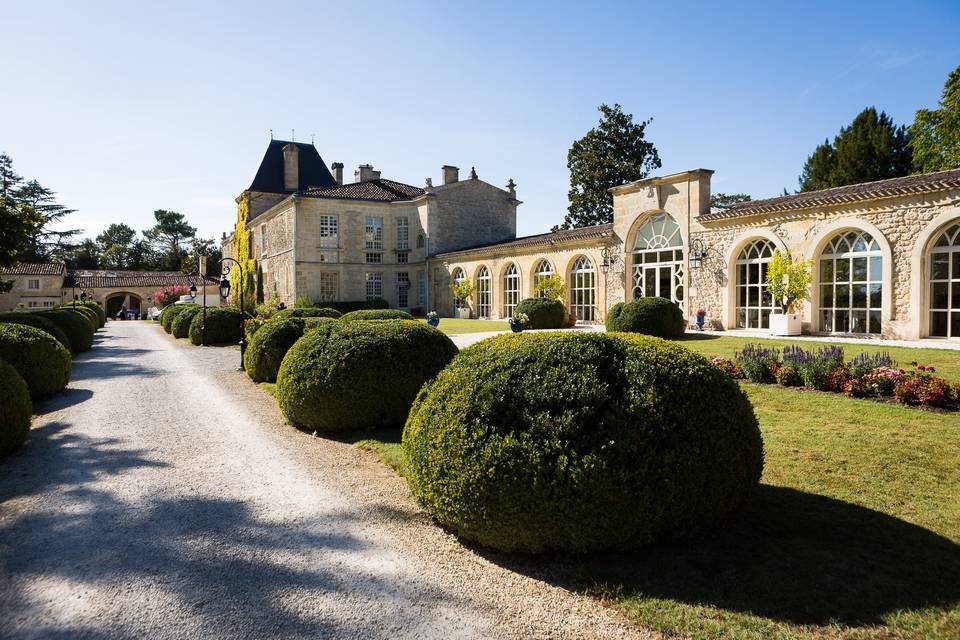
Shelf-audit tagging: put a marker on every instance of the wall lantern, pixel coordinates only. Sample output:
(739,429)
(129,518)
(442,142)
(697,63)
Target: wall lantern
(224,287)
(698,251)
(193,292)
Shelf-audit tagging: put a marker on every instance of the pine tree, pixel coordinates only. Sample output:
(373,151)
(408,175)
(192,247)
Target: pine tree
(19,223)
(168,239)
(47,243)
(936,133)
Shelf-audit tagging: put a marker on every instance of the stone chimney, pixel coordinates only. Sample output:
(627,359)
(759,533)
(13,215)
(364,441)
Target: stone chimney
(365,172)
(291,167)
(450,174)
(337,168)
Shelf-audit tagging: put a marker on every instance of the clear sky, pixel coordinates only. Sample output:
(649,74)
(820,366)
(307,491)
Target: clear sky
(123,108)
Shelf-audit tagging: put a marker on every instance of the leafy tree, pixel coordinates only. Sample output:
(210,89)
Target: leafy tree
(936,133)
(116,246)
(168,239)
(84,255)
(788,281)
(550,287)
(725,201)
(18,222)
(203,247)
(871,148)
(46,243)
(611,154)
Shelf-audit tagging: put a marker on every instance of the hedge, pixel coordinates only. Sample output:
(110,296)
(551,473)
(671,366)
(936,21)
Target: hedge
(376,314)
(356,305)
(42,362)
(577,442)
(348,376)
(653,316)
(75,326)
(170,312)
(180,325)
(298,312)
(542,313)
(268,346)
(222,326)
(34,320)
(87,314)
(89,304)
(15,410)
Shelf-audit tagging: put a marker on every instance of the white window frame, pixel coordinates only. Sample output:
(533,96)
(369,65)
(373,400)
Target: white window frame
(374,284)
(658,245)
(583,290)
(329,286)
(840,255)
(511,290)
(403,234)
(753,303)
(403,292)
(373,258)
(373,233)
(484,287)
(459,275)
(543,271)
(945,253)
(329,232)
(33,284)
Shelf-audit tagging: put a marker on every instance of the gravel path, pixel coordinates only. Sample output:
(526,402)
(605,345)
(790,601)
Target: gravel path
(162,496)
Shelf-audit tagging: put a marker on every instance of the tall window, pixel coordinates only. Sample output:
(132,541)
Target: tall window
(373,233)
(459,276)
(542,271)
(403,289)
(421,288)
(328,232)
(33,283)
(583,287)
(420,241)
(483,292)
(754,303)
(329,286)
(945,284)
(403,234)
(658,259)
(374,258)
(511,290)
(851,289)
(374,285)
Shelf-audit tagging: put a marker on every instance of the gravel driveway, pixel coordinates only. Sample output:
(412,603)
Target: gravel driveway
(162,496)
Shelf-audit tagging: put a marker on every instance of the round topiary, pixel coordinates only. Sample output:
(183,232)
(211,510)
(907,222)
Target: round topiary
(75,326)
(653,316)
(42,362)
(347,376)
(87,314)
(171,312)
(88,304)
(323,312)
(180,325)
(376,314)
(542,313)
(15,410)
(613,316)
(34,320)
(222,326)
(268,346)
(577,442)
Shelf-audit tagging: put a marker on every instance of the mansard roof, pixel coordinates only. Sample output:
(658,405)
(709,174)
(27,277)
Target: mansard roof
(312,171)
(379,190)
(555,237)
(35,269)
(907,185)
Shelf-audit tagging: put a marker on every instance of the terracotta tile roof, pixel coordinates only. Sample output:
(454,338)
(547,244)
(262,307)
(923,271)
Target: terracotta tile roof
(35,269)
(907,185)
(556,237)
(379,190)
(100,279)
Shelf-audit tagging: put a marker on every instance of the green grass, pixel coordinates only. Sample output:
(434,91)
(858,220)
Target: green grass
(269,387)
(386,445)
(454,326)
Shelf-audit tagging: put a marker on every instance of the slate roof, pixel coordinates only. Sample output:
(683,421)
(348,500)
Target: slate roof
(907,185)
(556,237)
(103,279)
(379,190)
(312,170)
(35,269)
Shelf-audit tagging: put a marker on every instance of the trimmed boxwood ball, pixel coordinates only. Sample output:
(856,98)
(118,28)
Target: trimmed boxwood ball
(74,325)
(42,362)
(180,325)
(34,320)
(376,314)
(652,316)
(268,346)
(87,314)
(350,376)
(171,312)
(87,304)
(542,313)
(323,312)
(15,410)
(577,442)
(223,326)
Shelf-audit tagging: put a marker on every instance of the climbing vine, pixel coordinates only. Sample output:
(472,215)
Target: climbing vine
(242,249)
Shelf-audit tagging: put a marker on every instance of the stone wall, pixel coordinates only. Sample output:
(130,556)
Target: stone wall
(470,213)
(47,295)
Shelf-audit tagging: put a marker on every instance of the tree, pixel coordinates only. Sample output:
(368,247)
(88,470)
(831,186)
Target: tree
(788,281)
(84,255)
(46,243)
(611,154)
(550,287)
(18,222)
(116,245)
(871,148)
(168,239)
(203,247)
(725,201)
(936,133)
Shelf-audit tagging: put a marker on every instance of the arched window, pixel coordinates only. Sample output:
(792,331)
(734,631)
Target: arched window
(945,284)
(658,259)
(511,290)
(483,292)
(851,284)
(542,271)
(583,290)
(459,276)
(754,303)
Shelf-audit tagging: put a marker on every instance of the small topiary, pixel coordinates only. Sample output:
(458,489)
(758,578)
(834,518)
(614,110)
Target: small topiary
(268,346)
(376,314)
(222,326)
(180,325)
(42,362)
(308,312)
(542,313)
(15,410)
(613,316)
(76,327)
(171,312)
(348,376)
(575,442)
(87,314)
(34,320)
(653,316)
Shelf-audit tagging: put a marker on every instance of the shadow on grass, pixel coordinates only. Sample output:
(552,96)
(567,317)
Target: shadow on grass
(693,336)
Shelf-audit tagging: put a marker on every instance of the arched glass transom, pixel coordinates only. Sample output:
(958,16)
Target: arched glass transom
(851,284)
(945,284)
(459,276)
(483,292)
(658,259)
(754,303)
(511,290)
(543,271)
(583,290)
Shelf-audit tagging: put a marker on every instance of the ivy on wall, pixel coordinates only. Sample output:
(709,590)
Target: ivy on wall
(242,250)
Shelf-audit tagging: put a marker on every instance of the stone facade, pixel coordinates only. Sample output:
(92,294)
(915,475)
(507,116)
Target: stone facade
(35,286)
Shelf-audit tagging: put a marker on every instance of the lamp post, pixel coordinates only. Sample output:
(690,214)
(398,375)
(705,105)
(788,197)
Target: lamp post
(225,293)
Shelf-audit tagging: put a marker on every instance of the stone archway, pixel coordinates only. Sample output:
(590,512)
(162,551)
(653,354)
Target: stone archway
(115,301)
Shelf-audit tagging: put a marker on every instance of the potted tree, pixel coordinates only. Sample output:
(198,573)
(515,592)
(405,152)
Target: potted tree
(789,284)
(462,289)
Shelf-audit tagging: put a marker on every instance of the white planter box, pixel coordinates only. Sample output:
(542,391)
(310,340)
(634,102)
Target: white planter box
(785,324)
(463,313)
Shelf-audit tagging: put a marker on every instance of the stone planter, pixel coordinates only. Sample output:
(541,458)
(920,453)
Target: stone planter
(785,324)
(463,313)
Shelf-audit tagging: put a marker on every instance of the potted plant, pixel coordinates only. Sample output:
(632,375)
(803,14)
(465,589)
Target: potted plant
(789,284)
(518,322)
(433,318)
(701,316)
(462,289)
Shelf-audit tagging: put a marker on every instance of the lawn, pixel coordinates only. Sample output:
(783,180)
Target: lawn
(853,532)
(454,326)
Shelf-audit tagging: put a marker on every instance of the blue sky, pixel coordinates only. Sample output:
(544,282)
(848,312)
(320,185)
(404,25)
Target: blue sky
(123,108)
